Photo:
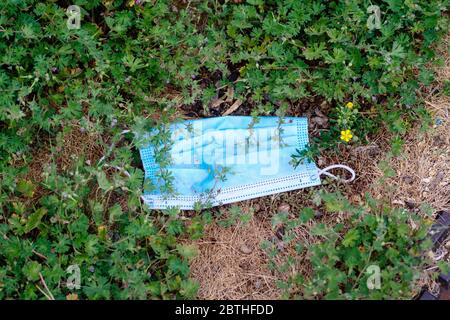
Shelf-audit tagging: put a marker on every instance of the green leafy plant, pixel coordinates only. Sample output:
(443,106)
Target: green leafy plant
(390,239)
(373,236)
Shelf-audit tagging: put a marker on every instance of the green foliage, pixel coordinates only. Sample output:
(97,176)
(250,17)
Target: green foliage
(133,66)
(234,216)
(121,252)
(375,236)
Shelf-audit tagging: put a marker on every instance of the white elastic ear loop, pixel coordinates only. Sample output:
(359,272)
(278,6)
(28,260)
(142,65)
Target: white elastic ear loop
(334,166)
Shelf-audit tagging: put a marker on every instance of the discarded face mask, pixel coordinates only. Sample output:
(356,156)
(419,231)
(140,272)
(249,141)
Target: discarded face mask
(221,160)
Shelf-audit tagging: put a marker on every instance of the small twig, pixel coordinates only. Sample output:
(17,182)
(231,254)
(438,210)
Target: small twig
(260,276)
(43,292)
(233,107)
(45,286)
(431,104)
(120,169)
(39,254)
(432,268)
(111,147)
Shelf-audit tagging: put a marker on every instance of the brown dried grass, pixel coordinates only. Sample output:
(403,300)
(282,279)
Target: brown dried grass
(75,143)
(423,168)
(78,142)
(225,271)
(231,264)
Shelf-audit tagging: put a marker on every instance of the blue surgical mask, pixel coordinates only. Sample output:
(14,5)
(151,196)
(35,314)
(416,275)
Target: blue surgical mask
(222,160)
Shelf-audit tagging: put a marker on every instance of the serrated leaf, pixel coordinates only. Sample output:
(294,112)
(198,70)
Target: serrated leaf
(31,270)
(26,188)
(35,219)
(103,182)
(178,266)
(187,251)
(351,238)
(114,213)
(189,288)
(306,214)
(320,229)
(279,219)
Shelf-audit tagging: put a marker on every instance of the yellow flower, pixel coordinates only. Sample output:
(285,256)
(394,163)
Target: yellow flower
(346,135)
(349,105)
